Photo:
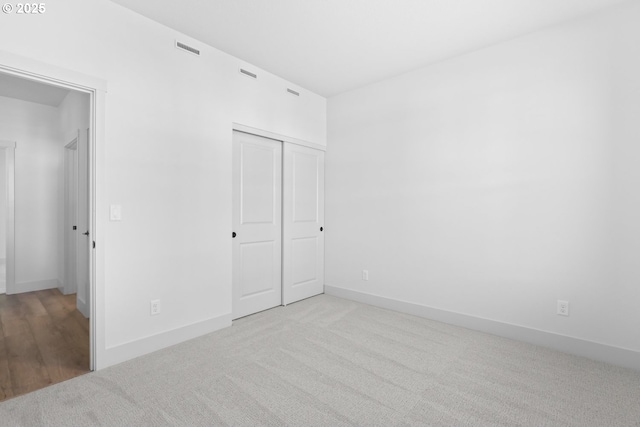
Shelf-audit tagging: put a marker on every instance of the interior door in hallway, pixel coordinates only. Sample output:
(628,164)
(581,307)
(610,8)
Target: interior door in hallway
(70,285)
(303,222)
(257,224)
(84,236)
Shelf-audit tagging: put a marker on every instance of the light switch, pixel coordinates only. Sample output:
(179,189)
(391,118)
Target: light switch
(116,213)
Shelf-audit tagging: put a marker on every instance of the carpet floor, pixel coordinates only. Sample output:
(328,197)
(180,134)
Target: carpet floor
(326,361)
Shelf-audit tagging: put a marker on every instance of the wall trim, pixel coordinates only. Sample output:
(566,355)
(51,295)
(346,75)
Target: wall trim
(132,349)
(21,66)
(592,350)
(38,285)
(277,137)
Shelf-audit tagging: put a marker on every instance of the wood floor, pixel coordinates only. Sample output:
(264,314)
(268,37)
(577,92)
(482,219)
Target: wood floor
(44,340)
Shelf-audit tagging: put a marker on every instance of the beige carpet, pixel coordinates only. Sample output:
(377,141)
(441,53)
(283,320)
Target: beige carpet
(331,362)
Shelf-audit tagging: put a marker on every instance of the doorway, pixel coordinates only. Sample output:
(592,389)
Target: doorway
(45,311)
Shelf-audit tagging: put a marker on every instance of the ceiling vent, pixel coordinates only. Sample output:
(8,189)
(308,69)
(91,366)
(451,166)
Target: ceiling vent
(187,48)
(293,92)
(248,73)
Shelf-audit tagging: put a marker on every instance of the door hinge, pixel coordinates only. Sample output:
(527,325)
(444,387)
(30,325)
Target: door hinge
(94,244)
(75,228)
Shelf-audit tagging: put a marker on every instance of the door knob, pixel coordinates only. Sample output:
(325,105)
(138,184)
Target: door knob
(233,235)
(321,228)
(87,233)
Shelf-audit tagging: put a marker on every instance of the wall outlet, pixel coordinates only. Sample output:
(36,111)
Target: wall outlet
(365,274)
(563,308)
(155,307)
(115,213)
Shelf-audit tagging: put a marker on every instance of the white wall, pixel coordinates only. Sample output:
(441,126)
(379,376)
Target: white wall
(74,113)
(34,128)
(497,182)
(167,160)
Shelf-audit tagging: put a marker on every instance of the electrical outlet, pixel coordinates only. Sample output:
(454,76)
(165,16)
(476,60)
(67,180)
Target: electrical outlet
(115,213)
(155,307)
(563,308)
(365,274)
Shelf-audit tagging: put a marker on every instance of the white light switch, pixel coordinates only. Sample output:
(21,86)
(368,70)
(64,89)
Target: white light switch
(115,213)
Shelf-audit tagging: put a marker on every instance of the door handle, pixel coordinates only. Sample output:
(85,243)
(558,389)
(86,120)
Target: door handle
(321,228)
(233,235)
(87,233)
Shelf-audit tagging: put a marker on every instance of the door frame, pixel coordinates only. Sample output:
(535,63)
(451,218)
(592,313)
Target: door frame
(10,167)
(40,72)
(278,137)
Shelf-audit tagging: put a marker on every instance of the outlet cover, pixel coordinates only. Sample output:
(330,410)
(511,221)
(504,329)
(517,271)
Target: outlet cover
(563,308)
(155,307)
(365,274)
(115,213)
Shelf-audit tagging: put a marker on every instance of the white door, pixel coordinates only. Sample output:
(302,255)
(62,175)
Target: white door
(3,222)
(70,216)
(83,235)
(257,224)
(303,221)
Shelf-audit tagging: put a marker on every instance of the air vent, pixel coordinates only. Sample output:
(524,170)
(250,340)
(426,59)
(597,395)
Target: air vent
(187,48)
(293,92)
(248,73)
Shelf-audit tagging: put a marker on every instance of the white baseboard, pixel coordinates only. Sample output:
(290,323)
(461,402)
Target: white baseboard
(63,291)
(82,306)
(39,285)
(579,347)
(127,351)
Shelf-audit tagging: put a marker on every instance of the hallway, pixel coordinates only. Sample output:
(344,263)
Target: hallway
(44,340)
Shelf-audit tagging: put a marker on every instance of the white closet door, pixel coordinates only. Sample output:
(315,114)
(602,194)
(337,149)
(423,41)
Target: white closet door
(257,224)
(303,221)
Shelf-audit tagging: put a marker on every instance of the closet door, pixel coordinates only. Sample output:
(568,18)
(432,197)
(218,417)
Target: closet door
(257,224)
(303,222)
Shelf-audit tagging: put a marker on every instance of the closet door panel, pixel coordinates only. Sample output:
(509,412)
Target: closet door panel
(257,224)
(303,223)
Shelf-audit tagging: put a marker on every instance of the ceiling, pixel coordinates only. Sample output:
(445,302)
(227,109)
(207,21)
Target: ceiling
(331,46)
(28,90)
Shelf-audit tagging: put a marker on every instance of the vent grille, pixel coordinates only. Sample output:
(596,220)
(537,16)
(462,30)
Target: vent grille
(187,48)
(248,73)
(293,92)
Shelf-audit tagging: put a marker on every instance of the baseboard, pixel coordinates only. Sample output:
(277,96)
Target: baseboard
(63,291)
(39,285)
(127,351)
(579,347)
(83,307)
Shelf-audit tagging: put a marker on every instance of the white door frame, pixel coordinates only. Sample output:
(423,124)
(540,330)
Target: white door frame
(9,147)
(41,72)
